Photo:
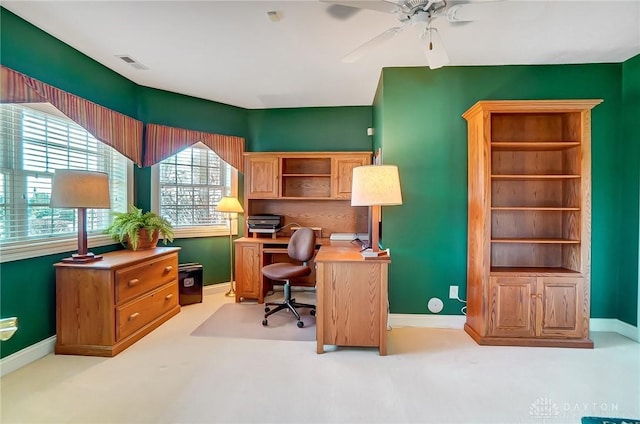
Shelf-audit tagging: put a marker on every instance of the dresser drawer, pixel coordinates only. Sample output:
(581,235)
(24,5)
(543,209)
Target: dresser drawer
(141,278)
(135,315)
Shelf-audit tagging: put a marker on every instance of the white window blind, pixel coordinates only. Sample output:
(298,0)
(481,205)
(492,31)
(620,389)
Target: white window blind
(34,144)
(192,182)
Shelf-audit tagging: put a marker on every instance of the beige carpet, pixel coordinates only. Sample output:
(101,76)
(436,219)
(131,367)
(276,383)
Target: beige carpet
(244,321)
(430,376)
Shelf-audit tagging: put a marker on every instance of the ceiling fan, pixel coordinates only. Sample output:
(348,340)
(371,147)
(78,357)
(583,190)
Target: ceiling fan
(421,13)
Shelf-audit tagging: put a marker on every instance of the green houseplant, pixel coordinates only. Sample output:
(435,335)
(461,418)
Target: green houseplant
(138,228)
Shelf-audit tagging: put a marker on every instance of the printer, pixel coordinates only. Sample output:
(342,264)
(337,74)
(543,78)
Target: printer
(264,223)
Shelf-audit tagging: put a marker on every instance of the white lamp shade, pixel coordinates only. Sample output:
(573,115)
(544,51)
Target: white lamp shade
(74,188)
(229,205)
(375,185)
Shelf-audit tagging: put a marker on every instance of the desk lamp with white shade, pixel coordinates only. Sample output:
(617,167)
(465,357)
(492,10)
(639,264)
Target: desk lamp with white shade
(230,205)
(375,186)
(82,190)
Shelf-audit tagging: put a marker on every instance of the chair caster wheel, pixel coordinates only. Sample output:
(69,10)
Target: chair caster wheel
(300,324)
(267,309)
(312,312)
(264,322)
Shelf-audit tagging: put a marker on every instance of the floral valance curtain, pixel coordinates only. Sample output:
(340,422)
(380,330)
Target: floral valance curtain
(162,141)
(119,131)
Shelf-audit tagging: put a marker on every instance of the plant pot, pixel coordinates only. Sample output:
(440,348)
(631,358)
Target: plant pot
(143,240)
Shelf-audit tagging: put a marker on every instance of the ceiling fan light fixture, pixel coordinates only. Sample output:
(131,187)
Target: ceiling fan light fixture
(437,56)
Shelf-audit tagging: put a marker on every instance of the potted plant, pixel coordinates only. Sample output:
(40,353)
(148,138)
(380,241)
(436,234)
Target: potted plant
(139,230)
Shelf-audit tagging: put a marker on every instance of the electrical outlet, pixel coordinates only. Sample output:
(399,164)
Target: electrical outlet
(453,292)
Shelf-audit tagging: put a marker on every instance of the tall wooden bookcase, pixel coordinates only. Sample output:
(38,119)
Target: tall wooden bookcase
(529,222)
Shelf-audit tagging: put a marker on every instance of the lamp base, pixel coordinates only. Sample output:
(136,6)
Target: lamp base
(77,258)
(373,254)
(231,292)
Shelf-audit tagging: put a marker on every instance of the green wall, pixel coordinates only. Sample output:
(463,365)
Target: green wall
(27,288)
(424,134)
(629,157)
(27,49)
(329,129)
(417,119)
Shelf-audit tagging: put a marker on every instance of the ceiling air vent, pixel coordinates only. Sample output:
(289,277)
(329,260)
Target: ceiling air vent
(132,62)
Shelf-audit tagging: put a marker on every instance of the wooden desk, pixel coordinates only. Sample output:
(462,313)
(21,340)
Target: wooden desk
(254,253)
(351,298)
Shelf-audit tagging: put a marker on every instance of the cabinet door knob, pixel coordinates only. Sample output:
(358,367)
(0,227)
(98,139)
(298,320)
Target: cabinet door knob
(169,296)
(168,268)
(134,316)
(533,296)
(540,296)
(133,282)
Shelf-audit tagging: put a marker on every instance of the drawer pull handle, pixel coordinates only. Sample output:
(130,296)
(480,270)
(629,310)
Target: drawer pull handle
(133,282)
(169,296)
(168,268)
(134,316)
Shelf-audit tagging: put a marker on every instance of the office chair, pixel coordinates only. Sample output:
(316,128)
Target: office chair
(301,248)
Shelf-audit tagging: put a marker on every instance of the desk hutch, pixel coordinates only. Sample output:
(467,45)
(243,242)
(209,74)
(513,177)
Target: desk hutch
(529,222)
(310,189)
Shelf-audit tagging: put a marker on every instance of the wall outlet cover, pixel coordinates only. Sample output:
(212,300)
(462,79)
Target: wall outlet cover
(453,292)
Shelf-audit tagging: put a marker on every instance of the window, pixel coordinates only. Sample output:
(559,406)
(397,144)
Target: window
(36,140)
(189,185)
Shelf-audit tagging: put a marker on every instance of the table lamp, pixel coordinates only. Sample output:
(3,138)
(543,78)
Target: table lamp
(230,205)
(80,189)
(375,186)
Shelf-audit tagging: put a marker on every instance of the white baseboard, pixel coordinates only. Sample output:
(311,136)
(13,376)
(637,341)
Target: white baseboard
(615,326)
(215,288)
(457,321)
(27,355)
(427,321)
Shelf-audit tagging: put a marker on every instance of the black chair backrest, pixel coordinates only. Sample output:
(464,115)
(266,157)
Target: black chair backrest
(302,244)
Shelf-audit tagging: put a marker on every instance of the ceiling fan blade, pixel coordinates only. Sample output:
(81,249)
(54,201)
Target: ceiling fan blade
(435,52)
(386,6)
(495,11)
(376,41)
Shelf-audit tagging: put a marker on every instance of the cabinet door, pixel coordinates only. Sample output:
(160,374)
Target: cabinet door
(342,174)
(563,307)
(512,306)
(262,177)
(248,271)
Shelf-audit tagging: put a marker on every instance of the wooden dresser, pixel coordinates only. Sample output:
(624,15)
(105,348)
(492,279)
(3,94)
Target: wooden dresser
(104,307)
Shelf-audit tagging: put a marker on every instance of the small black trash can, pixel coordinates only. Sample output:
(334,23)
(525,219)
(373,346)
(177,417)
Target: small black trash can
(190,281)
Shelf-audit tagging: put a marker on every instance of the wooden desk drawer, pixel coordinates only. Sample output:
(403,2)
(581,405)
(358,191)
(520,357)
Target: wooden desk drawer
(133,316)
(141,278)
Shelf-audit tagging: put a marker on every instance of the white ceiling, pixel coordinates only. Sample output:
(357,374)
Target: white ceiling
(231,52)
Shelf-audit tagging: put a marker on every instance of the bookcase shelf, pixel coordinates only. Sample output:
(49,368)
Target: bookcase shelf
(529,222)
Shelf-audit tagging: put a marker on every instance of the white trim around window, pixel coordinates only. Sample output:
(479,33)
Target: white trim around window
(62,244)
(194,231)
